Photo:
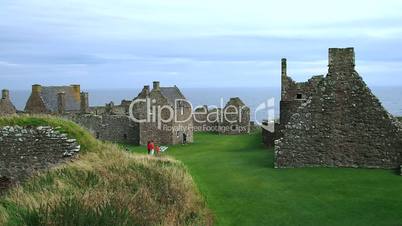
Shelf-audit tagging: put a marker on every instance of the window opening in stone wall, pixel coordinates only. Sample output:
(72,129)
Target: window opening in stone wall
(299,96)
(125,136)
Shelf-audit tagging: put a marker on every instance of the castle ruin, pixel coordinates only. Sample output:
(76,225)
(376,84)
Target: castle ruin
(335,121)
(155,107)
(112,122)
(55,99)
(232,119)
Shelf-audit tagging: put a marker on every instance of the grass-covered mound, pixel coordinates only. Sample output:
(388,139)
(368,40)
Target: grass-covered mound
(105,186)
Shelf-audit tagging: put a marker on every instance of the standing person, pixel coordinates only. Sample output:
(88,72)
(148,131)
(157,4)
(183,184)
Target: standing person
(149,147)
(157,149)
(152,147)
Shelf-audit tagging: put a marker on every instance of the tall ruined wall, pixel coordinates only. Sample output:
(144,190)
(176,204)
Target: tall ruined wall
(150,130)
(268,137)
(200,118)
(206,120)
(233,124)
(114,128)
(235,118)
(183,126)
(342,124)
(24,150)
(294,94)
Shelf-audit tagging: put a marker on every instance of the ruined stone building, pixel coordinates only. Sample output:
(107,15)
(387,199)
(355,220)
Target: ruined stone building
(335,121)
(56,100)
(70,103)
(233,119)
(112,109)
(6,106)
(112,122)
(155,107)
(236,118)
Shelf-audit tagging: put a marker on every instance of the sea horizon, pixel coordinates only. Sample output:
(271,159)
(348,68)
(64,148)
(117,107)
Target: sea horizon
(215,97)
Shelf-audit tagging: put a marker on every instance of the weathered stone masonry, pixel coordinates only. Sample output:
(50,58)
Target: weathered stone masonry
(113,128)
(336,121)
(24,150)
(6,107)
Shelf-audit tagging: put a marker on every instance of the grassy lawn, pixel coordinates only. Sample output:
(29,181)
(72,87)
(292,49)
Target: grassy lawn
(236,176)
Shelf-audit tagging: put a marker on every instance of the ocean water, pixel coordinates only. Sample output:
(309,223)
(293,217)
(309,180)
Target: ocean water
(391,97)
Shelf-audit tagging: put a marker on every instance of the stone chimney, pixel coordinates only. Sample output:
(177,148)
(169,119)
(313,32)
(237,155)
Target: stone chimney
(5,94)
(284,78)
(84,107)
(284,67)
(156,85)
(146,89)
(110,108)
(36,89)
(76,91)
(61,102)
(341,59)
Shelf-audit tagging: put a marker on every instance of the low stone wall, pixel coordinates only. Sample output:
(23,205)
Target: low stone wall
(24,150)
(268,137)
(114,128)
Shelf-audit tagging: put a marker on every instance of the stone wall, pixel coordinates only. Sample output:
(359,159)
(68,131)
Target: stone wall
(341,124)
(268,137)
(150,130)
(24,150)
(183,128)
(236,118)
(233,119)
(114,128)
(206,120)
(153,109)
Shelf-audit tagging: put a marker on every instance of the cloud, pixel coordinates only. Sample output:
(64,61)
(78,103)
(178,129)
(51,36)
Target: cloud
(192,43)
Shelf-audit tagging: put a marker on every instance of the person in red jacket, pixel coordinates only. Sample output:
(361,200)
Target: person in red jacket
(151,148)
(157,150)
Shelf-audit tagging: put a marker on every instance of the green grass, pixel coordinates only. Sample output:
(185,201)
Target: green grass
(236,176)
(104,186)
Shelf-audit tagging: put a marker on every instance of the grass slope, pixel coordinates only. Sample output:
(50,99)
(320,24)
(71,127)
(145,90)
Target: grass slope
(105,186)
(237,178)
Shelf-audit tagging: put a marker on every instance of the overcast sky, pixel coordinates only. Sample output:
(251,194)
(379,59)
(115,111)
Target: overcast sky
(193,43)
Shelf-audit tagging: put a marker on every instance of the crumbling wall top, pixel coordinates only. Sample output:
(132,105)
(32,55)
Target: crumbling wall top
(340,59)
